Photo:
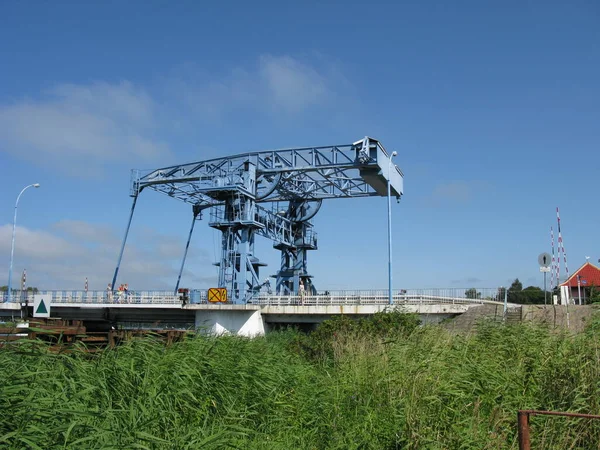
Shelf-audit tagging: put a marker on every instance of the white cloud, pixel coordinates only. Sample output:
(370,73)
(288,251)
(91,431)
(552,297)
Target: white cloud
(118,101)
(85,231)
(76,126)
(73,250)
(35,244)
(276,84)
(292,85)
(84,126)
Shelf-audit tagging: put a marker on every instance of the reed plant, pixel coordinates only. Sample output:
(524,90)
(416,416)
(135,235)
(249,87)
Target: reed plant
(347,386)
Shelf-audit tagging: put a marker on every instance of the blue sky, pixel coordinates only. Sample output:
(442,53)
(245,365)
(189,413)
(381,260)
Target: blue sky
(493,107)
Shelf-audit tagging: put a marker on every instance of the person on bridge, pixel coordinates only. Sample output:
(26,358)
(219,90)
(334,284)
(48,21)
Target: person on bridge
(301,292)
(120,294)
(267,284)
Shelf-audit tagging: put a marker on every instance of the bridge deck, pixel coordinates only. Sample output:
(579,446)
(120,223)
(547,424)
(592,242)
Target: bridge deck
(162,299)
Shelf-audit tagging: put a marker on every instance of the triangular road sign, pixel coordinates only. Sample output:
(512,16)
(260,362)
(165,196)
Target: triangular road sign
(42,303)
(41,309)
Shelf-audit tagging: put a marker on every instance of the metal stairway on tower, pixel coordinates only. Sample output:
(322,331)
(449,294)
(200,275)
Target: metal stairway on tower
(239,188)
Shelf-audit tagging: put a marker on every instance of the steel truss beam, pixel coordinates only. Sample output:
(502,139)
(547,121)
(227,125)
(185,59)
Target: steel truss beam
(310,173)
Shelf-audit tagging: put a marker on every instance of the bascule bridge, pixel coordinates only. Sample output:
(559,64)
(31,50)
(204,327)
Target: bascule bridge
(274,194)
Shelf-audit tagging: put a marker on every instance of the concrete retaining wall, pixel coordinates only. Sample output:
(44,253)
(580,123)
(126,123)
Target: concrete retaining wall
(468,320)
(557,316)
(571,317)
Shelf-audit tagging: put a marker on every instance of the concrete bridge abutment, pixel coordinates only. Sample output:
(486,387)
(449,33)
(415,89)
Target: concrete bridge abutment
(240,321)
(255,320)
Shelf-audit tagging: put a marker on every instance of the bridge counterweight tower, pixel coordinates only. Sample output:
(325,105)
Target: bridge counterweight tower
(294,258)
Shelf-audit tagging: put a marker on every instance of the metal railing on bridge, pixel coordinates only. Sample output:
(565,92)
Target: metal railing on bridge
(377,297)
(101,297)
(324,298)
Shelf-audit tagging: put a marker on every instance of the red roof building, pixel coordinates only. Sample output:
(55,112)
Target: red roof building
(582,280)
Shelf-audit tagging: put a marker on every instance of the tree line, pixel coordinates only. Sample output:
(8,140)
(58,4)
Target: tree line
(532,295)
(29,289)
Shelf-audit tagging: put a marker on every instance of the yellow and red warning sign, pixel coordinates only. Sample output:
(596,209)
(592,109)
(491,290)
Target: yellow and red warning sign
(217,295)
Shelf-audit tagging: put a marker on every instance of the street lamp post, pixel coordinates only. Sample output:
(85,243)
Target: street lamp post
(12,247)
(389,196)
(579,288)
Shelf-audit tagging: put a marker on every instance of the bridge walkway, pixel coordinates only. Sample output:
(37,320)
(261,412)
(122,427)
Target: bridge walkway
(167,299)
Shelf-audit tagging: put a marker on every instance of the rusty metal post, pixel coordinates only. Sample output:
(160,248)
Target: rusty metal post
(523,421)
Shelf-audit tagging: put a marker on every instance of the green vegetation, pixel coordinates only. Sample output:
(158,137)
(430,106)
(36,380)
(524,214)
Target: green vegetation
(531,295)
(16,288)
(379,383)
(472,293)
(593,294)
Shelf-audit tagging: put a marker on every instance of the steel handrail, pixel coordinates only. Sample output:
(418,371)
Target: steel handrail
(349,297)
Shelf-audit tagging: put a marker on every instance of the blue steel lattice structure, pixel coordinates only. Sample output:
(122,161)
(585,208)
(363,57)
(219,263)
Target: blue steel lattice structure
(274,194)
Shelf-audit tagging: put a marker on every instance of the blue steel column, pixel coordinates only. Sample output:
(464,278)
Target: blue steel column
(197,210)
(114,280)
(389,197)
(238,268)
(294,258)
(225,265)
(244,254)
(237,220)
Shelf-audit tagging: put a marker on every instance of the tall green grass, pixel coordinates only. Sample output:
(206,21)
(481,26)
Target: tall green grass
(344,387)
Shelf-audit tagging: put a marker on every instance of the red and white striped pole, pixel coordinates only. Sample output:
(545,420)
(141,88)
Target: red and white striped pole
(561,247)
(553,261)
(558,262)
(24,286)
(560,240)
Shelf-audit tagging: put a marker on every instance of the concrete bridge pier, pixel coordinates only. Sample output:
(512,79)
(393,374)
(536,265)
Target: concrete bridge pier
(241,320)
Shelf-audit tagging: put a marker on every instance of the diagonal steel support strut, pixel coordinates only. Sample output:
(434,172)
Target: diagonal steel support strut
(197,214)
(114,280)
